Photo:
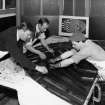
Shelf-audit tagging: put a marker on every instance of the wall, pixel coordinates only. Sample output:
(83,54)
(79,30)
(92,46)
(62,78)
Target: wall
(97,28)
(79,7)
(6,22)
(68,7)
(97,19)
(7,18)
(7,14)
(34,9)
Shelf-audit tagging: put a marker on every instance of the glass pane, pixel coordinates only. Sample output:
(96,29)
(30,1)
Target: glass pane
(0,4)
(10,4)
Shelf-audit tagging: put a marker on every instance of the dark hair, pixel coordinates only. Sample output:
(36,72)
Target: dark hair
(85,40)
(43,20)
(26,24)
(23,24)
(30,26)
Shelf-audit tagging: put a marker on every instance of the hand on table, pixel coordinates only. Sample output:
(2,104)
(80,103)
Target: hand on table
(41,69)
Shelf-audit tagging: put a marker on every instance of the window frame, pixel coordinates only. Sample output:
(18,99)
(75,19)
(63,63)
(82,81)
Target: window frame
(4,6)
(6,12)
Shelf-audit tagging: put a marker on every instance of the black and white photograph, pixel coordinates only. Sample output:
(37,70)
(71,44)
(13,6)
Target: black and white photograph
(52,52)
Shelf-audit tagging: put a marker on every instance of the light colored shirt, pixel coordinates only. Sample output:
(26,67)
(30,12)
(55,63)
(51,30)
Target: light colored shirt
(17,34)
(41,35)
